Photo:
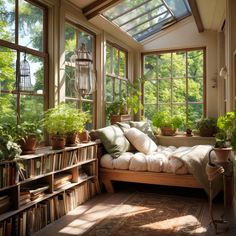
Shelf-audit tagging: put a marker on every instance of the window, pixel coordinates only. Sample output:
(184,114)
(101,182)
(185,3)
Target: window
(141,19)
(116,73)
(175,83)
(22,35)
(74,37)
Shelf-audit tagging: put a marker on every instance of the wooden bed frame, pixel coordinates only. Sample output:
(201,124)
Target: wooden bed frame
(106,177)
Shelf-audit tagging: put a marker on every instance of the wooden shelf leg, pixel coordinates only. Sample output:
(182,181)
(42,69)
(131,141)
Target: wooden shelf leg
(108,186)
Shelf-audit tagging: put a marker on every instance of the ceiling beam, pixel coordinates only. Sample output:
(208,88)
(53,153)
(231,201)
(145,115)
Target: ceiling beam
(95,8)
(196,15)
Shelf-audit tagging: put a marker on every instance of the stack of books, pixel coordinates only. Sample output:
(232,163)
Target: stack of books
(35,192)
(62,180)
(5,203)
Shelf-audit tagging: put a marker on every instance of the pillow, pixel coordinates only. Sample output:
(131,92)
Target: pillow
(113,139)
(145,127)
(141,141)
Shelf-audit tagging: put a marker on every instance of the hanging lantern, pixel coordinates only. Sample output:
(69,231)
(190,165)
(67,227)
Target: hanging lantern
(25,78)
(85,79)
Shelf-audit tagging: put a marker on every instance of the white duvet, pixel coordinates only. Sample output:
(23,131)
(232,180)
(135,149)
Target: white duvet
(162,160)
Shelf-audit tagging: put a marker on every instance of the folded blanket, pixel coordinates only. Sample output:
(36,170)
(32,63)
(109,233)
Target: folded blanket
(196,158)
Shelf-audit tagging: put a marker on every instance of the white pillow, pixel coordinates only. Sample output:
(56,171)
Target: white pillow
(140,141)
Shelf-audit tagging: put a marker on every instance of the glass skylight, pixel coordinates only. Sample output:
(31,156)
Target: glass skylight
(142,18)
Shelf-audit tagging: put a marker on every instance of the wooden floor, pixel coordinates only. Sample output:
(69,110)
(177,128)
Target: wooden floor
(78,221)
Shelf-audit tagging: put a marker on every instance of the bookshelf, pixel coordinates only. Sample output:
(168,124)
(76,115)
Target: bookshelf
(39,188)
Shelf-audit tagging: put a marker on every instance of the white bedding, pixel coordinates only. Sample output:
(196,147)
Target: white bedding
(160,161)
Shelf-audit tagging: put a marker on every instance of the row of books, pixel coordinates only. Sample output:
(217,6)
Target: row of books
(57,161)
(5,203)
(47,211)
(8,174)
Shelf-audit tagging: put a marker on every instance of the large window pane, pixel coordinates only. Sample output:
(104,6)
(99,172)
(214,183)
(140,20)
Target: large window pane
(164,90)
(87,39)
(150,111)
(70,41)
(195,112)
(7,20)
(30,26)
(32,108)
(164,65)
(70,82)
(8,108)
(122,65)
(109,89)
(179,65)
(150,90)
(108,59)
(115,64)
(7,69)
(150,66)
(195,89)
(179,90)
(195,63)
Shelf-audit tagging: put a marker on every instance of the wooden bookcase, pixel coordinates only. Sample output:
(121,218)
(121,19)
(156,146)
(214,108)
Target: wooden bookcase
(39,188)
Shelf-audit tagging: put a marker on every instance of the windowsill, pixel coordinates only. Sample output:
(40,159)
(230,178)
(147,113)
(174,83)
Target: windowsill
(183,140)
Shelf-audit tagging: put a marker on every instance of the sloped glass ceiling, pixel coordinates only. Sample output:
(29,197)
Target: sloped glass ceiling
(142,18)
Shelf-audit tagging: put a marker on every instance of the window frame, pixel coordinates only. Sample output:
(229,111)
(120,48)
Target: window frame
(114,77)
(23,49)
(80,100)
(185,50)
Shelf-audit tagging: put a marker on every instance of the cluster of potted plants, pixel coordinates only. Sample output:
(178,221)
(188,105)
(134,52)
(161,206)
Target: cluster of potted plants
(64,124)
(168,124)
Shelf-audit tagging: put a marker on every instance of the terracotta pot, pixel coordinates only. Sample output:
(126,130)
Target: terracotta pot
(222,154)
(28,145)
(58,142)
(71,139)
(166,131)
(84,136)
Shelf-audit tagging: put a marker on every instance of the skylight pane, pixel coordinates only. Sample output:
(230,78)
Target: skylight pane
(142,18)
(178,7)
(144,9)
(147,18)
(122,7)
(150,23)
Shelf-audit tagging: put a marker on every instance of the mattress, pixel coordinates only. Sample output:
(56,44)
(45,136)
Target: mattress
(162,160)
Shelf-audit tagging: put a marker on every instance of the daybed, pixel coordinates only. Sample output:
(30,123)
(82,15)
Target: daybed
(183,166)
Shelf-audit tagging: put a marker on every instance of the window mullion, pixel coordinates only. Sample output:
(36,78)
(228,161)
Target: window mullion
(186,78)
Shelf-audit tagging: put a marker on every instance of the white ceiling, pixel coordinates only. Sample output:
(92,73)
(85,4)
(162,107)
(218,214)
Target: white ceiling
(212,12)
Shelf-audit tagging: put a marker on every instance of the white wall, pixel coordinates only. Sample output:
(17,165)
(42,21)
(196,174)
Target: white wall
(185,35)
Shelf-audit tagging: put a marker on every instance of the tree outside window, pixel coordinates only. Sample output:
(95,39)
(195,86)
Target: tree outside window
(22,35)
(175,83)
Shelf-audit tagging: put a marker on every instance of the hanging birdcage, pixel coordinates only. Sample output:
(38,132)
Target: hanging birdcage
(85,79)
(25,77)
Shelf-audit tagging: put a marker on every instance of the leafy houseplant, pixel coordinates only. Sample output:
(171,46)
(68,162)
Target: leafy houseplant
(9,149)
(27,135)
(168,124)
(63,120)
(207,127)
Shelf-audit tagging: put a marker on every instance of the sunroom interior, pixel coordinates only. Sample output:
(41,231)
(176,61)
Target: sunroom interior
(181,53)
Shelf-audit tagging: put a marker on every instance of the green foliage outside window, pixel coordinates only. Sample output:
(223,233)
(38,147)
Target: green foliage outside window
(174,84)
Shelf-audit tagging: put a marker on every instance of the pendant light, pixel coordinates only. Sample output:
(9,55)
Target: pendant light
(85,79)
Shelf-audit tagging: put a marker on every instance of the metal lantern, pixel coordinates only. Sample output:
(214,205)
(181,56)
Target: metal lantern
(84,74)
(25,78)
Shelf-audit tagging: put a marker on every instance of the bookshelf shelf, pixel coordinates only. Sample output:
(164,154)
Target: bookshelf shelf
(49,184)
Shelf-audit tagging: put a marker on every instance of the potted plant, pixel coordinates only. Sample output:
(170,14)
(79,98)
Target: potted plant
(226,136)
(27,134)
(167,123)
(55,125)
(207,127)
(84,136)
(75,121)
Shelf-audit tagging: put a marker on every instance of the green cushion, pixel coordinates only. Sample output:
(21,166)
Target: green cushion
(145,127)
(113,139)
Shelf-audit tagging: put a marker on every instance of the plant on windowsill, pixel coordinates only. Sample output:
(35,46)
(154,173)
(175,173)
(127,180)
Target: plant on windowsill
(168,124)
(226,136)
(28,134)
(207,127)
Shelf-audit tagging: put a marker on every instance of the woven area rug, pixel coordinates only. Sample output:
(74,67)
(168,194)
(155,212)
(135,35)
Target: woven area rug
(154,214)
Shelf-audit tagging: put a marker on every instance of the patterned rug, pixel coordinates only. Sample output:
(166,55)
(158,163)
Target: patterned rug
(154,214)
